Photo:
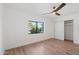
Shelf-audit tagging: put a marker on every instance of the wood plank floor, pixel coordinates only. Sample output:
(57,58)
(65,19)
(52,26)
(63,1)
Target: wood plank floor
(47,47)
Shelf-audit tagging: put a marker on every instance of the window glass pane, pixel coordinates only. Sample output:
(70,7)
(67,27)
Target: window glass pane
(40,27)
(36,27)
(33,29)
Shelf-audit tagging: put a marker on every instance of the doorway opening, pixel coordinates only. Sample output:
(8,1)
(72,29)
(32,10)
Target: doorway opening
(68,30)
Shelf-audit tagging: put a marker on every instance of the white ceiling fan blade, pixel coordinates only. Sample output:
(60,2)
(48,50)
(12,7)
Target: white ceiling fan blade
(47,13)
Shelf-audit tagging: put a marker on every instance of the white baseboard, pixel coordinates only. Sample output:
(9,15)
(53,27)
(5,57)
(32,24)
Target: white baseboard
(30,42)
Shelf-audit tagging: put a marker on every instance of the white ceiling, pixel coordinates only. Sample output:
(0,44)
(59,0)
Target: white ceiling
(40,8)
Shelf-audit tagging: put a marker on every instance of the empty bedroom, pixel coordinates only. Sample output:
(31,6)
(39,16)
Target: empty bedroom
(39,28)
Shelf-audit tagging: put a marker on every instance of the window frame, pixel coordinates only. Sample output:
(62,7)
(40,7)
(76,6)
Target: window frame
(37,27)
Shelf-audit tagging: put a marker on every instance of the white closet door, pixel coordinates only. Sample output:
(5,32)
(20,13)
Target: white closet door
(59,30)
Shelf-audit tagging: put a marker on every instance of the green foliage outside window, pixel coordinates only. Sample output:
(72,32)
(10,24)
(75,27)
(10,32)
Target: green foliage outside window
(36,27)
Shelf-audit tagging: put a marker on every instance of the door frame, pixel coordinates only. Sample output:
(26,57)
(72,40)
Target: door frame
(72,31)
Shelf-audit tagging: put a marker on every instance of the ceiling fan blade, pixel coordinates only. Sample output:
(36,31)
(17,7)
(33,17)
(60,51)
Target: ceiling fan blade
(57,14)
(61,6)
(46,13)
(54,13)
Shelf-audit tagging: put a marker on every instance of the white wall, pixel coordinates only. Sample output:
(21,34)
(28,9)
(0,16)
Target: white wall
(16,29)
(75,18)
(1,31)
(59,30)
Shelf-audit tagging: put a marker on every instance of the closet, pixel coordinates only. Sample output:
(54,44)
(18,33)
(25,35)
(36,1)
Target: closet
(68,30)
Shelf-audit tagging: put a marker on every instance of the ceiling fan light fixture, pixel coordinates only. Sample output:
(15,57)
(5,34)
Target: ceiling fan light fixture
(54,13)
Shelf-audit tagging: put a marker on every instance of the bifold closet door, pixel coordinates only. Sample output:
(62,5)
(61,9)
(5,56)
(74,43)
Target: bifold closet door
(59,30)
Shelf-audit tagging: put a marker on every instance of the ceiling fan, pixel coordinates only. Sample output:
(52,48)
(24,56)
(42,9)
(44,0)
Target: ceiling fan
(56,9)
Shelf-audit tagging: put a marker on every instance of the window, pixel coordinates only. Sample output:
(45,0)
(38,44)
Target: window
(36,27)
